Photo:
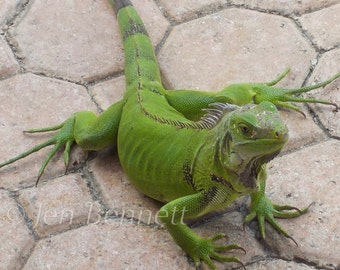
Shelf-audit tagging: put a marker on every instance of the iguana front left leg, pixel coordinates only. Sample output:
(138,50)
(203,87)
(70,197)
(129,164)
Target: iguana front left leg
(264,210)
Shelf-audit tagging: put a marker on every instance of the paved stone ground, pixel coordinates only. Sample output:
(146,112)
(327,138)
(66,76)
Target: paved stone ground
(59,57)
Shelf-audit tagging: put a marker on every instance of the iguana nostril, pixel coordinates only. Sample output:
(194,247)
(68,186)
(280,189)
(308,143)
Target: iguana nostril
(281,134)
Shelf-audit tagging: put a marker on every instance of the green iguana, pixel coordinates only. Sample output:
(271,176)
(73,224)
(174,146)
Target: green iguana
(195,151)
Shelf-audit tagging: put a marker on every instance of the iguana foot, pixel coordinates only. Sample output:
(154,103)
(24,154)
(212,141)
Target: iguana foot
(89,131)
(205,250)
(264,210)
(63,138)
(283,97)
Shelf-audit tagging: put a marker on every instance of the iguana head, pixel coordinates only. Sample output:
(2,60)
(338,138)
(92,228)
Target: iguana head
(250,136)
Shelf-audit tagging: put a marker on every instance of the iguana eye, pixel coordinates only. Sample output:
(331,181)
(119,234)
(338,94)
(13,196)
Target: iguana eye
(244,129)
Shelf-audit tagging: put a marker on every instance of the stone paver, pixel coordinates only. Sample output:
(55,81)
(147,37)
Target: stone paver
(279,265)
(109,244)
(180,10)
(296,123)
(287,7)
(16,239)
(68,49)
(234,45)
(9,8)
(328,65)
(309,175)
(59,204)
(8,65)
(323,26)
(59,57)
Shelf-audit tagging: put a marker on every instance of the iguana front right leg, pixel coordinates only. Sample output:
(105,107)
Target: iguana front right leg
(191,103)
(89,131)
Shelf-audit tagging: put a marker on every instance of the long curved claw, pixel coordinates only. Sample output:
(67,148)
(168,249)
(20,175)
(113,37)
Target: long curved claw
(47,160)
(206,250)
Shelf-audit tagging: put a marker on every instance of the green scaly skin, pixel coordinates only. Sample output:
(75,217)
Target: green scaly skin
(196,151)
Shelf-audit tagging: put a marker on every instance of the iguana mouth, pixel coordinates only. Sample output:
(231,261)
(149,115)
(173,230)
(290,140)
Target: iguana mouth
(249,151)
(263,141)
(259,146)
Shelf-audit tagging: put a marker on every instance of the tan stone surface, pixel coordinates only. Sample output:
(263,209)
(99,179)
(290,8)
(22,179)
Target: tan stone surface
(9,8)
(109,245)
(323,26)
(327,66)
(309,175)
(280,265)
(234,45)
(180,10)
(60,204)
(302,131)
(287,7)
(67,48)
(16,239)
(8,65)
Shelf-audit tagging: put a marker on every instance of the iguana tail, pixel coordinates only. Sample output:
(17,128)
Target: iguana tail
(140,59)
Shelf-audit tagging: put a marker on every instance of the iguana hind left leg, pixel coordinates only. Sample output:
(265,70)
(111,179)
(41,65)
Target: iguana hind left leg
(89,131)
